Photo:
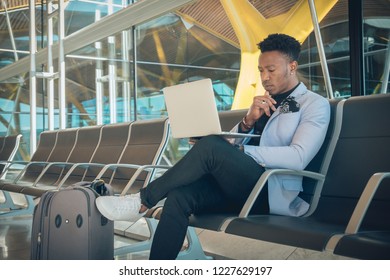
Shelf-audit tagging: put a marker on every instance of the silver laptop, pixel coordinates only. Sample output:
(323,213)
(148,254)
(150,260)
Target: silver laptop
(192,110)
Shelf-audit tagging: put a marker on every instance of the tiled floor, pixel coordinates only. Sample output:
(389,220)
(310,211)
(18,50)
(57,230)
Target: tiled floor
(15,235)
(220,245)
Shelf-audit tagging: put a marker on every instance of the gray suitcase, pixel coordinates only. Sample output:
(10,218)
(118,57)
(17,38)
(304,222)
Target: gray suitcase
(68,226)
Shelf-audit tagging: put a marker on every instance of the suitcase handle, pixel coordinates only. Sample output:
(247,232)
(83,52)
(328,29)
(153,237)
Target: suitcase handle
(98,185)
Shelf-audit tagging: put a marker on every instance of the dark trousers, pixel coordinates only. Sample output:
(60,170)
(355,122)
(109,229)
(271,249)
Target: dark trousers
(212,176)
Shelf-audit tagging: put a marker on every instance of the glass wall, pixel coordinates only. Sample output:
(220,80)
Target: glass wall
(120,78)
(14,23)
(336,47)
(376,52)
(167,51)
(336,40)
(171,51)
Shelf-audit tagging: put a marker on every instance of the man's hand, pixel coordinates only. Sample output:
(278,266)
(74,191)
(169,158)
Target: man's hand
(193,140)
(261,105)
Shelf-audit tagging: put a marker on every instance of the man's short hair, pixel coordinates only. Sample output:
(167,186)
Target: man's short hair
(282,43)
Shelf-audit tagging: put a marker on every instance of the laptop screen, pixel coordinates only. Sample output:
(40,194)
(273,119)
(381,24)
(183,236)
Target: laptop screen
(192,109)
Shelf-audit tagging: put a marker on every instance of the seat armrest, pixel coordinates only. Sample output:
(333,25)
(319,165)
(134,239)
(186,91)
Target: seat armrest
(139,170)
(114,166)
(27,165)
(264,178)
(360,209)
(364,201)
(78,165)
(49,165)
(8,163)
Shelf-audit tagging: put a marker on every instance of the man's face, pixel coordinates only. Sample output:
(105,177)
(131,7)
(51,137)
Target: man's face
(275,72)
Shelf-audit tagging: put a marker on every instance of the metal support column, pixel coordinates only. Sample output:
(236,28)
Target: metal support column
(52,11)
(321,51)
(50,68)
(33,79)
(126,39)
(126,90)
(355,13)
(134,76)
(61,64)
(99,76)
(112,83)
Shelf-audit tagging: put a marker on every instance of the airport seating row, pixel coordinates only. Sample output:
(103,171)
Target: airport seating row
(67,156)
(9,145)
(350,194)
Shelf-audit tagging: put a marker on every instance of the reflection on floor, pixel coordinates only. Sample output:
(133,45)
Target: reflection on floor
(15,233)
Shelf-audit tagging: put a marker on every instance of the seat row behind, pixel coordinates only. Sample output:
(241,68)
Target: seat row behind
(9,145)
(67,156)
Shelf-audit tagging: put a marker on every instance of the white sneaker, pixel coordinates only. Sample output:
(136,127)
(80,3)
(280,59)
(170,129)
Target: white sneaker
(120,208)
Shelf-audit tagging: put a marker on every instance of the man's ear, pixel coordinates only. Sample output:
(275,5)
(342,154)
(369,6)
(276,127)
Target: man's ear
(293,66)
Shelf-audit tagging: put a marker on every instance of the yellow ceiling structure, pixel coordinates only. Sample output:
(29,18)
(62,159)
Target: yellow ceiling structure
(244,23)
(251,27)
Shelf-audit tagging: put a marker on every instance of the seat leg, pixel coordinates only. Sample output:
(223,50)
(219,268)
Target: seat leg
(8,202)
(194,251)
(139,246)
(28,210)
